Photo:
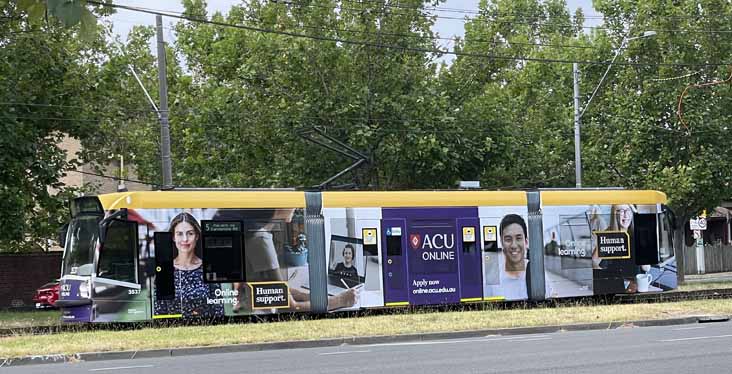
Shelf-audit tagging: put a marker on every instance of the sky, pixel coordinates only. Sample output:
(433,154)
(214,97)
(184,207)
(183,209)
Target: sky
(124,20)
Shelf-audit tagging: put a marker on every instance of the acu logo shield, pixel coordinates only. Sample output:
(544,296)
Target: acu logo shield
(415,240)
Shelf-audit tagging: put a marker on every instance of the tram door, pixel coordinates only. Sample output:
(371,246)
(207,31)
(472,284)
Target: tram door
(164,302)
(117,290)
(471,270)
(393,240)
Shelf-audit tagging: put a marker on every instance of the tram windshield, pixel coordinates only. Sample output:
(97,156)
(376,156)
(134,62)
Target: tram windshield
(80,242)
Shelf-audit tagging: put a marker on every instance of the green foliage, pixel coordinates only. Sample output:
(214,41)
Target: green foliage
(524,108)
(239,98)
(263,88)
(634,136)
(46,85)
(67,12)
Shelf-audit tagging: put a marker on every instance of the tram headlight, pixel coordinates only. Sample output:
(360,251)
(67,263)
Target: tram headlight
(84,289)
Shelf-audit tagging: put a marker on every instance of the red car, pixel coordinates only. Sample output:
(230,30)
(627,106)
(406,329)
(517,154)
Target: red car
(47,295)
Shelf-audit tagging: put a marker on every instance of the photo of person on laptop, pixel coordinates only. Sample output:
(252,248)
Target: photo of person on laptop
(347,268)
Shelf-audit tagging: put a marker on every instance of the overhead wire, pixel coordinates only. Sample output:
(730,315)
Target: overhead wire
(416,36)
(680,110)
(10,103)
(525,16)
(436,51)
(112,177)
(493,11)
(471,11)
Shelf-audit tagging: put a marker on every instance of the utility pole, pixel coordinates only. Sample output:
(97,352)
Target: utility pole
(579,113)
(577,118)
(163,112)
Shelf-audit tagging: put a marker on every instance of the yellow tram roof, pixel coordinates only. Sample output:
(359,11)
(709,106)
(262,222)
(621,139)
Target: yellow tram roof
(396,199)
(203,199)
(602,197)
(383,199)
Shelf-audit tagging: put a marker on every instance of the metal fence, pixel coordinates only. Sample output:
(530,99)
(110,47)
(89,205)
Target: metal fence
(717,258)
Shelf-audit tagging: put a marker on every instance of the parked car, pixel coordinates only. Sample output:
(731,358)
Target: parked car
(47,295)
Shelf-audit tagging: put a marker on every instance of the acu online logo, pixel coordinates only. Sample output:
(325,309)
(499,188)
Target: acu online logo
(435,241)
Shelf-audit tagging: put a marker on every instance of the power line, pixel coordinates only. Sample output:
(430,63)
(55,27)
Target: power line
(411,36)
(67,106)
(393,47)
(87,120)
(54,119)
(529,17)
(493,12)
(436,38)
(113,177)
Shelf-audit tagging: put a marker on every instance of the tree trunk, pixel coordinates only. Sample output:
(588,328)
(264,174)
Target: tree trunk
(679,245)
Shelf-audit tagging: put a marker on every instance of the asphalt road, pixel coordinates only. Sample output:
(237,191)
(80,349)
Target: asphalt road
(697,348)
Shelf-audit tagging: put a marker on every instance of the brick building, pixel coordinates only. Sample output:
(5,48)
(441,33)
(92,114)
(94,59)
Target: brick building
(22,273)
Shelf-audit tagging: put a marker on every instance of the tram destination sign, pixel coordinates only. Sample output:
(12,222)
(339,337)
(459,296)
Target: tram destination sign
(222,226)
(613,244)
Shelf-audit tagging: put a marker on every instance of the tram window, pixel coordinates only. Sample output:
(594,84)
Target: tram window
(469,247)
(223,252)
(118,255)
(645,239)
(393,245)
(665,234)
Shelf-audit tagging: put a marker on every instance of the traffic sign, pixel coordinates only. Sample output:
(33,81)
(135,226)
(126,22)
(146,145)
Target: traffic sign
(698,223)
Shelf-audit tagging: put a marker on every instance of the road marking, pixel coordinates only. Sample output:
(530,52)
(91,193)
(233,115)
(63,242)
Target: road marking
(123,368)
(689,328)
(512,337)
(697,338)
(534,339)
(341,353)
(477,340)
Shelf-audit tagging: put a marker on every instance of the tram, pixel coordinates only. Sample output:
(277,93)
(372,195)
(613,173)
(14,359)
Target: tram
(136,256)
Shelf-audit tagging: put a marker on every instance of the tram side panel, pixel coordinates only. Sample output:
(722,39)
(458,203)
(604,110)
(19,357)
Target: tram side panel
(427,258)
(452,255)
(353,258)
(606,249)
(254,261)
(208,263)
(504,252)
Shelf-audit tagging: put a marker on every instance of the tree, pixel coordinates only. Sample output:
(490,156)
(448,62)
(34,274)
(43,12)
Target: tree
(652,146)
(46,84)
(519,104)
(639,139)
(128,124)
(253,92)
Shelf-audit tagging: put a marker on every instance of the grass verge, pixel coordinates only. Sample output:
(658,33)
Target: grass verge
(394,324)
(696,286)
(21,319)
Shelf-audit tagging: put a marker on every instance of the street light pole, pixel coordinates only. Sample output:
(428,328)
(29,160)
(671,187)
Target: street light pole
(163,112)
(579,113)
(577,117)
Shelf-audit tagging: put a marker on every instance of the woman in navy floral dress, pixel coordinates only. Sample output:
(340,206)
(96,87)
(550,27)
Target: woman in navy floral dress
(191,293)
